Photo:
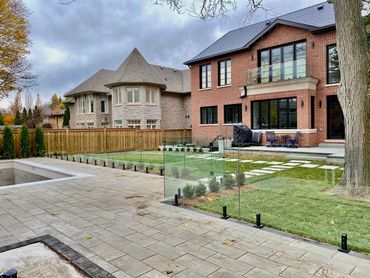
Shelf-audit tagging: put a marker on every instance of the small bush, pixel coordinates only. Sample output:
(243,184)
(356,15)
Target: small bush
(150,166)
(175,172)
(185,172)
(39,142)
(177,149)
(129,165)
(188,149)
(229,181)
(140,166)
(200,189)
(182,149)
(194,150)
(240,179)
(8,144)
(170,149)
(188,191)
(47,125)
(159,149)
(164,149)
(200,150)
(214,185)
(25,142)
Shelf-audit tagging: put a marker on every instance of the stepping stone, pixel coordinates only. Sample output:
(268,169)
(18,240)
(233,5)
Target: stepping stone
(253,174)
(245,161)
(260,162)
(190,156)
(291,164)
(341,168)
(231,159)
(300,161)
(272,169)
(329,167)
(233,175)
(309,165)
(275,163)
(262,171)
(247,176)
(220,159)
(208,158)
(282,167)
(204,180)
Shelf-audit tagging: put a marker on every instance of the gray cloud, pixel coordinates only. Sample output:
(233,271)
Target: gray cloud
(69,43)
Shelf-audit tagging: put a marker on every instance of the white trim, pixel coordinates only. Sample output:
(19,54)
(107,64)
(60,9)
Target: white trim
(205,89)
(205,125)
(224,86)
(332,85)
(307,130)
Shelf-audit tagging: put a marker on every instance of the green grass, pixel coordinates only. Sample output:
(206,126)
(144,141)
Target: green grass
(297,201)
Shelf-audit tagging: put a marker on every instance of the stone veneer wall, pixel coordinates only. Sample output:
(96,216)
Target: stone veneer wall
(176,110)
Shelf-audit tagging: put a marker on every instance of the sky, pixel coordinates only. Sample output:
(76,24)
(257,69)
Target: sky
(72,42)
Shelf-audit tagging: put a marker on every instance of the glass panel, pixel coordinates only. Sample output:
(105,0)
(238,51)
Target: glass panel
(256,115)
(293,113)
(333,65)
(274,114)
(301,59)
(288,62)
(265,66)
(283,113)
(276,63)
(264,114)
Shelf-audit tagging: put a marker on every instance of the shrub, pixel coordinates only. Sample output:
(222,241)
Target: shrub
(47,125)
(8,144)
(182,149)
(200,150)
(175,172)
(200,189)
(194,150)
(170,149)
(25,142)
(188,149)
(214,185)
(177,149)
(150,166)
(229,181)
(159,149)
(185,172)
(129,165)
(240,179)
(164,149)
(39,142)
(188,191)
(140,166)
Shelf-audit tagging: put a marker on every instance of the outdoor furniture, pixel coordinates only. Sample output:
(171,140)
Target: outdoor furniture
(294,141)
(271,139)
(256,138)
(243,136)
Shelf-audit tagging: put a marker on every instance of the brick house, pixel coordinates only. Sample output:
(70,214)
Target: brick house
(281,75)
(136,95)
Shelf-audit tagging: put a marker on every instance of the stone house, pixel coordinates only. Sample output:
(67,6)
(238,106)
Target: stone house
(278,75)
(136,95)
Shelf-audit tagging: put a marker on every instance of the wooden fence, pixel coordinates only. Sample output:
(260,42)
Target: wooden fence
(104,140)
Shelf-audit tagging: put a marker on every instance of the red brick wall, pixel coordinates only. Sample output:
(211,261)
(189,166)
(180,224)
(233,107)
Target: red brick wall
(241,61)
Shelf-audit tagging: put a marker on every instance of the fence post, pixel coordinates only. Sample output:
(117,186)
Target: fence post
(67,140)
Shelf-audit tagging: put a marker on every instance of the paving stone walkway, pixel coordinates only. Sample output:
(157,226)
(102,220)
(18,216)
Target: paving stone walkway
(116,219)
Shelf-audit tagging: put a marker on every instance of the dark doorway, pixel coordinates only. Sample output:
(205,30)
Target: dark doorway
(335,118)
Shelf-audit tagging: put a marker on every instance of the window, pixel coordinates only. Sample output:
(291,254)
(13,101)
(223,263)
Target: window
(117,97)
(282,62)
(151,124)
(118,123)
(151,96)
(312,112)
(205,76)
(104,124)
(133,96)
(224,72)
(274,114)
(85,104)
(104,105)
(233,114)
(133,123)
(333,74)
(90,124)
(208,115)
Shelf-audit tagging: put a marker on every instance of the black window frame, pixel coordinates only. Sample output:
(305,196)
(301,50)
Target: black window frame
(209,109)
(234,107)
(200,76)
(288,120)
(227,82)
(312,99)
(294,44)
(328,47)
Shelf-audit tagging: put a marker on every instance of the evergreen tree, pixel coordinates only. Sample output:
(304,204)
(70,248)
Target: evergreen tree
(24,116)
(66,117)
(39,142)
(1,119)
(8,144)
(17,120)
(30,119)
(37,115)
(25,143)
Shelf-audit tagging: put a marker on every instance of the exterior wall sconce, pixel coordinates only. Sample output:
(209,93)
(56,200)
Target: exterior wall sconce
(320,103)
(312,44)
(302,103)
(245,107)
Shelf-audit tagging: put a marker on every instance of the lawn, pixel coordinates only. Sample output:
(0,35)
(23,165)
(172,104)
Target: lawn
(297,201)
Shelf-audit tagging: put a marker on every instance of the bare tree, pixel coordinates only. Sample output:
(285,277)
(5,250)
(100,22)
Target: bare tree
(28,100)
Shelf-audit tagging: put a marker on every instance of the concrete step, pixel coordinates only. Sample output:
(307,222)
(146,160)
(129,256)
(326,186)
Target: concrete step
(332,145)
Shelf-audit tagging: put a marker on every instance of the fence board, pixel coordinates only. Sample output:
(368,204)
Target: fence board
(104,140)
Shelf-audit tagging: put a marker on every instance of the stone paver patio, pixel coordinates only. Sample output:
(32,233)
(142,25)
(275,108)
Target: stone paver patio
(116,219)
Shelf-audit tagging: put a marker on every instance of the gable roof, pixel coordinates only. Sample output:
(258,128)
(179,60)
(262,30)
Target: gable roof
(94,83)
(314,19)
(176,81)
(135,69)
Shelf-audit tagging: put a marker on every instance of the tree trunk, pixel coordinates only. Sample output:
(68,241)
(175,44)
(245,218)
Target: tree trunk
(354,94)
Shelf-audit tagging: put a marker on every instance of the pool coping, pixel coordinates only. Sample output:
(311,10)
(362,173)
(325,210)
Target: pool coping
(170,202)
(70,174)
(75,258)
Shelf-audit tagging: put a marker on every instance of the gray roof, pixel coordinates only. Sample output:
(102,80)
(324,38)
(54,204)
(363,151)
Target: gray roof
(135,70)
(176,81)
(94,83)
(314,18)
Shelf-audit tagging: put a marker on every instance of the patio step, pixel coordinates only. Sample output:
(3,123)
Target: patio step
(332,144)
